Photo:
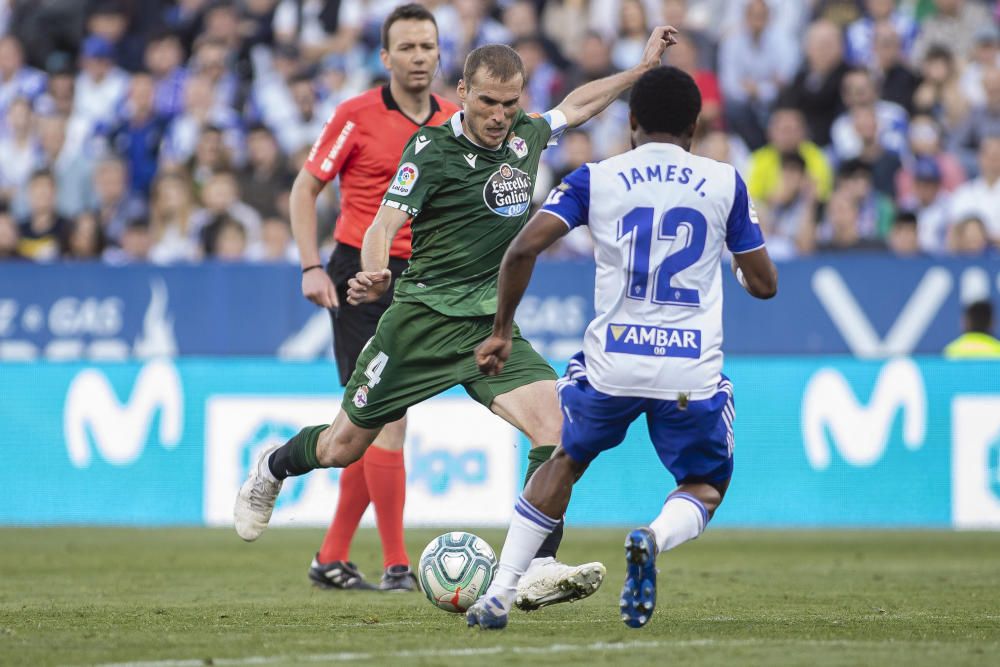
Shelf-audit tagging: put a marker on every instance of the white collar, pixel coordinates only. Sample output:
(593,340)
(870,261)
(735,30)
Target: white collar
(459,130)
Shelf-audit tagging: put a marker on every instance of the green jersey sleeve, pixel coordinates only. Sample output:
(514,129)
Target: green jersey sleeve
(416,180)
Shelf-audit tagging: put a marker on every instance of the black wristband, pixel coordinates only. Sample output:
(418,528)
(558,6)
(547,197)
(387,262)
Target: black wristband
(310,268)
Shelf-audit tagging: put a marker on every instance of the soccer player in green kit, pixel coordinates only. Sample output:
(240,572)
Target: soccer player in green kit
(467,186)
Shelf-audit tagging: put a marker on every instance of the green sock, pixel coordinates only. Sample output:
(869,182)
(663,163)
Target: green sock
(298,455)
(536,457)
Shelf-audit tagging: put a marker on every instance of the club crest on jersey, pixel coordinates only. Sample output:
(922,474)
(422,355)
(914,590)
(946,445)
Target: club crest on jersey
(361,396)
(405,179)
(519,146)
(508,191)
(650,341)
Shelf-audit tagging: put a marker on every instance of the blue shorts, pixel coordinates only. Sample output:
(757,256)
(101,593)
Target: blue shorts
(695,443)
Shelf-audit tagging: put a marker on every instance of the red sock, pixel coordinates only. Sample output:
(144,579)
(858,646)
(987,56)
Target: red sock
(386,476)
(351,505)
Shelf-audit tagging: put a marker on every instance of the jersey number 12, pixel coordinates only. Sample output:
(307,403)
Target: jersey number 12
(638,226)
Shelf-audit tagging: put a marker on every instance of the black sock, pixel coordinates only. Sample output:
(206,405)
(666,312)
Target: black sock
(536,457)
(298,455)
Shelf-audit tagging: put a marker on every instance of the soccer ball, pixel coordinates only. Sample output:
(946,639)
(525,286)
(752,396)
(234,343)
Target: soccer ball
(455,569)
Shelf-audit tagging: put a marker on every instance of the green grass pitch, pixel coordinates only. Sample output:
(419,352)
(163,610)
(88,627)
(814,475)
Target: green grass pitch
(189,597)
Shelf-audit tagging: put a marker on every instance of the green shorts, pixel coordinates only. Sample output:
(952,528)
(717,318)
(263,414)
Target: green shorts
(417,353)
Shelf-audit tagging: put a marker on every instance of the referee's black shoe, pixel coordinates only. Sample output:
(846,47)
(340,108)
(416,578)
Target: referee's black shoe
(339,574)
(398,578)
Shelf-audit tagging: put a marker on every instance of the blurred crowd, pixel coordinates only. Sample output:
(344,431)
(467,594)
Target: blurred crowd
(171,130)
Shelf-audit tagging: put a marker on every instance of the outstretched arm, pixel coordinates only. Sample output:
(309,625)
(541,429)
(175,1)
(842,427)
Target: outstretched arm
(542,231)
(374,278)
(592,98)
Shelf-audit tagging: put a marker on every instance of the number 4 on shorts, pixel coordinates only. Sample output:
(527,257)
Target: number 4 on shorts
(375,367)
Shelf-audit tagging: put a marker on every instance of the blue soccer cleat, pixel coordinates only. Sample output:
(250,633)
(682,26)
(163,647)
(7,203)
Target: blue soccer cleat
(487,614)
(639,592)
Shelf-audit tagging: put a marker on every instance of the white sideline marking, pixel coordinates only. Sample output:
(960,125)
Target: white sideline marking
(494,650)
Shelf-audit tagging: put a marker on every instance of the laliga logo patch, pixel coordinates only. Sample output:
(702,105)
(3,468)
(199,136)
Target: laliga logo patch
(508,191)
(519,146)
(361,396)
(405,179)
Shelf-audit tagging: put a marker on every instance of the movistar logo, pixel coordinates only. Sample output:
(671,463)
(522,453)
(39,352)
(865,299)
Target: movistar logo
(119,430)
(859,432)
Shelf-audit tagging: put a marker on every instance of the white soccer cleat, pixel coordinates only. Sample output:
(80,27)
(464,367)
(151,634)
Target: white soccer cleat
(255,501)
(550,582)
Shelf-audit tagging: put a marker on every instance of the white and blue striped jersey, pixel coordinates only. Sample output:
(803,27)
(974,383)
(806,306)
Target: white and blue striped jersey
(659,217)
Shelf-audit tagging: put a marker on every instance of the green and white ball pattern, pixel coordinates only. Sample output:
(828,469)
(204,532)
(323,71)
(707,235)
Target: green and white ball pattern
(455,569)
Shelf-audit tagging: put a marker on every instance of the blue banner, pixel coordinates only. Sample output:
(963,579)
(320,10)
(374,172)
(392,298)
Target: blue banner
(866,306)
(819,442)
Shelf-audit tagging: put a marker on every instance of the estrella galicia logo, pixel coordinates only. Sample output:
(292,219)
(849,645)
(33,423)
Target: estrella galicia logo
(653,341)
(508,191)
(440,468)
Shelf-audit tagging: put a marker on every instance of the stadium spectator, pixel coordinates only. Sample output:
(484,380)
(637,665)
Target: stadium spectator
(171,207)
(981,196)
(114,204)
(939,93)
(164,60)
(632,34)
(101,86)
(564,21)
(318,27)
(977,340)
(138,134)
(858,91)
(925,142)
(931,205)
(200,111)
(275,243)
(884,164)
(17,80)
(545,85)
(266,180)
(520,19)
(213,59)
(60,87)
(9,237)
(875,210)
(134,246)
(220,198)
(594,61)
(723,147)
(40,232)
(968,238)
(19,148)
(903,238)
(70,165)
(754,64)
(787,134)
(83,238)
(675,13)
(815,89)
(953,25)
(224,239)
(840,226)
(684,56)
(985,57)
(983,121)
(861,36)
(893,75)
(109,20)
(789,214)
(304,124)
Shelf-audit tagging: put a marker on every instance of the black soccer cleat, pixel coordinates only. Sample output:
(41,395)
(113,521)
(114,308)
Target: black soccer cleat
(339,574)
(398,578)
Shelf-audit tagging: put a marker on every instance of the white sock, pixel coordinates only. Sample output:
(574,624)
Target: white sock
(528,529)
(683,518)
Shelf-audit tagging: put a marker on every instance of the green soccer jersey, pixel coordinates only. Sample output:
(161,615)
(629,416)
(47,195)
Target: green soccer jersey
(467,203)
